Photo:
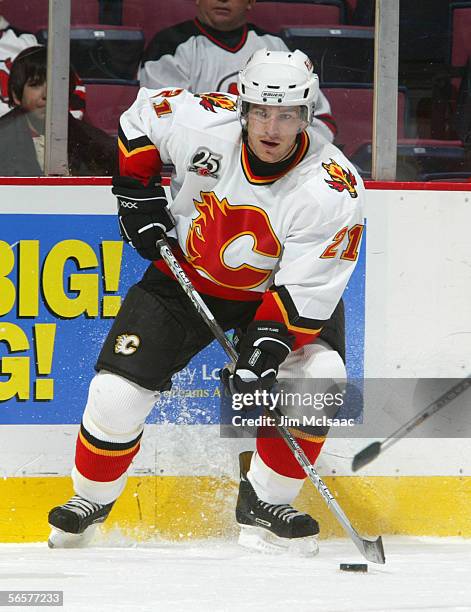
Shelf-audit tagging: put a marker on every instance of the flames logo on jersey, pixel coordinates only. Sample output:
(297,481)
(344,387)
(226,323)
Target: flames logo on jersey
(216,227)
(341,179)
(210,101)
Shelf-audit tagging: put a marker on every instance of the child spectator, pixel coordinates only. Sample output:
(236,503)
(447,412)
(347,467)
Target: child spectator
(90,151)
(12,42)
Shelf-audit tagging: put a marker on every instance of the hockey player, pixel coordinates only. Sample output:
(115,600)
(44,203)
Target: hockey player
(206,54)
(266,220)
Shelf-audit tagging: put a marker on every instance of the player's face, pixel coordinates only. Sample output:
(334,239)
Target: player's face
(33,99)
(223,15)
(272,130)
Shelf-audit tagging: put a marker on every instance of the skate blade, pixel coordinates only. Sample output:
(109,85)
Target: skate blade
(62,539)
(261,540)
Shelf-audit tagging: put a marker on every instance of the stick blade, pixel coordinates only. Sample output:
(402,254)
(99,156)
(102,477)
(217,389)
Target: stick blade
(372,550)
(365,456)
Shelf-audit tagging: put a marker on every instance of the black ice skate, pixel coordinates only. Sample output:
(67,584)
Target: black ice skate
(272,528)
(75,522)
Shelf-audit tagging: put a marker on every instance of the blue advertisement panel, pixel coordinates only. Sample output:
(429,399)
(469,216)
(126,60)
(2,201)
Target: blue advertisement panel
(62,279)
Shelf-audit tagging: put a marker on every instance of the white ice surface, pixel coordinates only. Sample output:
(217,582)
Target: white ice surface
(421,574)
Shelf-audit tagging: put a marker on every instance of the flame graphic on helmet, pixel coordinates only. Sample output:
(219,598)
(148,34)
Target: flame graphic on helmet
(216,227)
(341,179)
(211,100)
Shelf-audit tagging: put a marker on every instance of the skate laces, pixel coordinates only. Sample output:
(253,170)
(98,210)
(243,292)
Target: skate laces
(284,512)
(82,506)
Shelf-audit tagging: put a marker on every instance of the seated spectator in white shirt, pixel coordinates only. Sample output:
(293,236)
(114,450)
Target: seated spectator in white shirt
(206,53)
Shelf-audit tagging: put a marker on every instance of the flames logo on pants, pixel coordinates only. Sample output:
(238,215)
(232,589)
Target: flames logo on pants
(216,227)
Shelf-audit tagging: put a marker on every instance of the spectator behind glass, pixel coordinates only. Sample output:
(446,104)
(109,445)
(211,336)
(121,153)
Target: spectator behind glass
(206,54)
(12,42)
(90,151)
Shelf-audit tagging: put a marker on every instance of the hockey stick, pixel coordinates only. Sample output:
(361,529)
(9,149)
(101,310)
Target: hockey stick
(372,550)
(370,452)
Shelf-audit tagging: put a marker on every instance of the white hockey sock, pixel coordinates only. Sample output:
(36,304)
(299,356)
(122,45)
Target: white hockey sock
(98,492)
(115,412)
(271,487)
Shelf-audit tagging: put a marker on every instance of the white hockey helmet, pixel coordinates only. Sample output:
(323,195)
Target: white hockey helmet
(278,78)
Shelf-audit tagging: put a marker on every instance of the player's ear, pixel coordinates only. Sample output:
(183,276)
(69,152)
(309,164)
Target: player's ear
(250,4)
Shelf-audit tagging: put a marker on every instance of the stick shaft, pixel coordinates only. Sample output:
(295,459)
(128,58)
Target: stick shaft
(427,412)
(195,297)
(372,451)
(372,550)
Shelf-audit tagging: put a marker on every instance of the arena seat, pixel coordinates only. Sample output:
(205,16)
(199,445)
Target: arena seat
(460,17)
(152,16)
(460,47)
(274,16)
(106,101)
(351,6)
(31,15)
(352,107)
(104,51)
(418,160)
(340,54)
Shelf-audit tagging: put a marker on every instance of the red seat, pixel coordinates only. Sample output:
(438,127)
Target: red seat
(460,35)
(31,15)
(352,108)
(273,16)
(460,39)
(351,4)
(155,15)
(106,102)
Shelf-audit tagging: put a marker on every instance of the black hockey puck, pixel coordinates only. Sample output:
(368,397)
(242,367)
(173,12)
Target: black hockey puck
(354,567)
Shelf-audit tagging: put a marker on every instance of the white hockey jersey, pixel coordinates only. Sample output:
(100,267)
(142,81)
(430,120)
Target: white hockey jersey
(196,57)
(291,238)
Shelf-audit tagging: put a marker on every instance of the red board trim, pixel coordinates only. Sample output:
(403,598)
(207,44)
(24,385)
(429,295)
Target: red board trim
(432,186)
(105,180)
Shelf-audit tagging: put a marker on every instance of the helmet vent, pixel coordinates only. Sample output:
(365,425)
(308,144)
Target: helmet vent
(273,87)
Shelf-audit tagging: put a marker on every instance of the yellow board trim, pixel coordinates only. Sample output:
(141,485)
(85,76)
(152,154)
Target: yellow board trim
(190,507)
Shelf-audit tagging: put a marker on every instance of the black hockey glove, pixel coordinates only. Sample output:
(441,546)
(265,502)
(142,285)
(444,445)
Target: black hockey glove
(261,351)
(143,214)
